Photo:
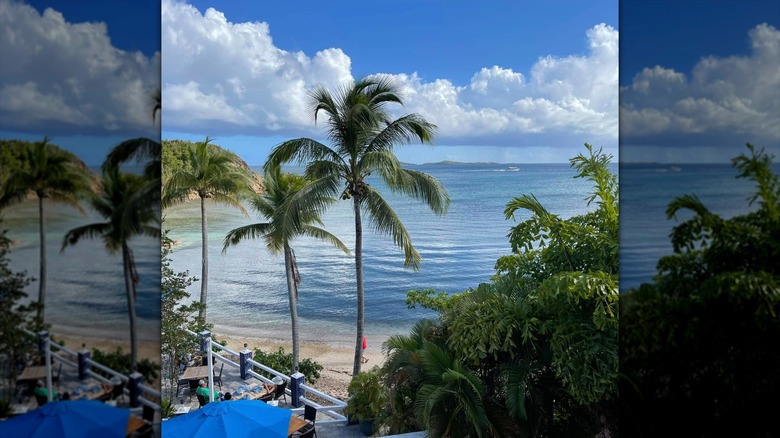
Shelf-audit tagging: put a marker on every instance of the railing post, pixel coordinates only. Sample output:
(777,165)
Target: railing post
(134,385)
(244,356)
(296,390)
(205,341)
(205,347)
(84,354)
(43,347)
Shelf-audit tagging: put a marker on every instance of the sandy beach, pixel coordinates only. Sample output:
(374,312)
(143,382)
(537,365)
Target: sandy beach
(146,349)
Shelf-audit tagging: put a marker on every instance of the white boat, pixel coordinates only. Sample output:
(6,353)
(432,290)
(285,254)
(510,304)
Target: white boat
(512,169)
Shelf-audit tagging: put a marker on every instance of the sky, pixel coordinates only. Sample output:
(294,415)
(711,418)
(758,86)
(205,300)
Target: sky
(80,73)
(698,79)
(503,81)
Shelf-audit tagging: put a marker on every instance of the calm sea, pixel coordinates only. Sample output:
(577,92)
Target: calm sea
(645,192)
(247,289)
(85,283)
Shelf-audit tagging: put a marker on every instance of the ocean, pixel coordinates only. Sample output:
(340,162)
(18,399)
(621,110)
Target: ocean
(247,288)
(85,290)
(645,192)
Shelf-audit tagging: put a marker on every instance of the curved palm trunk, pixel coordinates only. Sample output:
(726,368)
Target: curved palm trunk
(130,288)
(204,275)
(360,292)
(290,271)
(42,275)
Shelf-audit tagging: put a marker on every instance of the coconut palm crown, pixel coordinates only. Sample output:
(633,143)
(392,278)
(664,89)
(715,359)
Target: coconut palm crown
(278,235)
(122,222)
(49,173)
(214,174)
(362,137)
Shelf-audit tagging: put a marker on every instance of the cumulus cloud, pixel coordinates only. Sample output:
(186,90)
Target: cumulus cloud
(224,78)
(66,78)
(726,101)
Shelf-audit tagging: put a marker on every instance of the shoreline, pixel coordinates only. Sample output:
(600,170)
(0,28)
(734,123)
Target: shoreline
(147,349)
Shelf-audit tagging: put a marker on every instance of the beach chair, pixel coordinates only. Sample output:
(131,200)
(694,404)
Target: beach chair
(182,383)
(280,391)
(218,378)
(55,378)
(310,415)
(41,399)
(118,391)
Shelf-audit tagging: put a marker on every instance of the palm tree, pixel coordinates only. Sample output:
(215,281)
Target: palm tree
(277,234)
(48,173)
(214,174)
(112,204)
(363,136)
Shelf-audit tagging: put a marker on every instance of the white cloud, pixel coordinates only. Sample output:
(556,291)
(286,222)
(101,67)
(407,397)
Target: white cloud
(726,101)
(66,78)
(224,78)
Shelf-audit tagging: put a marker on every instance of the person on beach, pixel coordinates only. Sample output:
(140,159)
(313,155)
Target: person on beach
(228,396)
(269,387)
(204,391)
(363,358)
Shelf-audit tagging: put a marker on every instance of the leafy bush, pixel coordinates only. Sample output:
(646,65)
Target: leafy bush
(367,395)
(120,362)
(281,361)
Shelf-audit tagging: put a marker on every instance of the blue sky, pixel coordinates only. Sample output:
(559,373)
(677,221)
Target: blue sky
(698,79)
(82,72)
(503,81)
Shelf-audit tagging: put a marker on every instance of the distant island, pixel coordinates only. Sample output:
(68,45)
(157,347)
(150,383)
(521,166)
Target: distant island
(447,162)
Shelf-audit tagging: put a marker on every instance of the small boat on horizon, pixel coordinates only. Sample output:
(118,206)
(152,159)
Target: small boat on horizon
(512,169)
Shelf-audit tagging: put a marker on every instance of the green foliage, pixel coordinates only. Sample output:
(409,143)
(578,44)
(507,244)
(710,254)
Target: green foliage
(176,157)
(367,395)
(427,299)
(167,408)
(120,362)
(15,344)
(279,360)
(175,317)
(698,348)
(534,352)
(5,408)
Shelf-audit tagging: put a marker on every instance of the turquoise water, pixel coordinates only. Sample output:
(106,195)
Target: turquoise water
(247,289)
(645,192)
(85,283)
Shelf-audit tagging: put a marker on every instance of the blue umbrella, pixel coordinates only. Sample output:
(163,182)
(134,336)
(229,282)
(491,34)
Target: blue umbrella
(71,419)
(234,419)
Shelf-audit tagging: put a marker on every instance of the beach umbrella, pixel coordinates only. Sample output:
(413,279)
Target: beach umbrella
(69,419)
(234,419)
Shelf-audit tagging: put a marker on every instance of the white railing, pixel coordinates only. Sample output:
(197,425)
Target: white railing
(332,410)
(51,356)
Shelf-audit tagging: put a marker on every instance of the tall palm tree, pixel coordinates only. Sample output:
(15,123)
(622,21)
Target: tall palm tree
(214,174)
(49,173)
(363,137)
(112,205)
(278,235)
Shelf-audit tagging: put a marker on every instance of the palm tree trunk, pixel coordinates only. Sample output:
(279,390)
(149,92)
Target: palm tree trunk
(204,275)
(290,270)
(130,288)
(360,291)
(42,276)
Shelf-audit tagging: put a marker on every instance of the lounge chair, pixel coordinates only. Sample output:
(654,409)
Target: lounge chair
(280,391)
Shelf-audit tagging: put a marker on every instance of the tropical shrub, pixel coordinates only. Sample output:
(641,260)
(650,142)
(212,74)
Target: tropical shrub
(534,352)
(279,360)
(698,349)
